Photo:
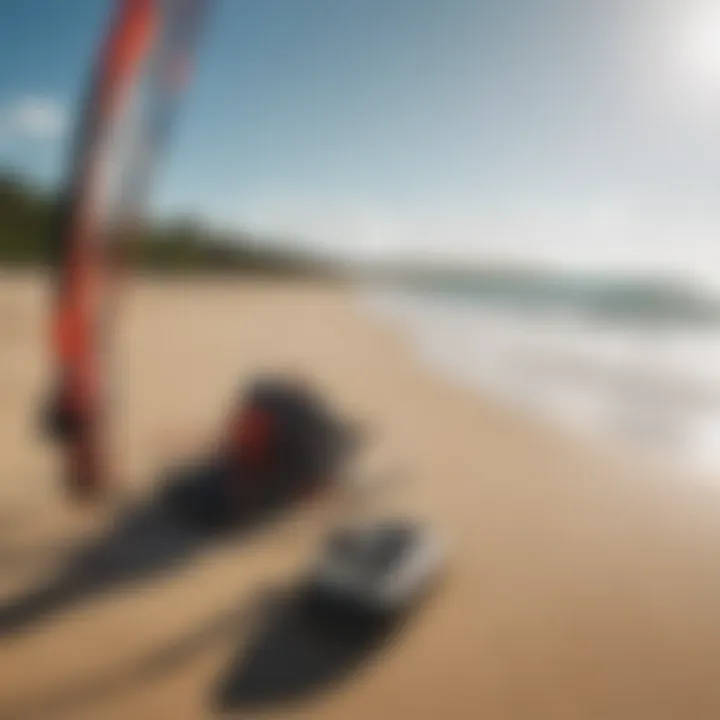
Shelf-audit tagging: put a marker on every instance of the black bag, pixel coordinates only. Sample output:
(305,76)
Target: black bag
(306,438)
(307,448)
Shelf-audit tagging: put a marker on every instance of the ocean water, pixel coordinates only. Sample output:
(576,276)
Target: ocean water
(649,383)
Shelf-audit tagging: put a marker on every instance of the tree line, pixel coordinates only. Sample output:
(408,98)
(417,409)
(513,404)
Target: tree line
(29,220)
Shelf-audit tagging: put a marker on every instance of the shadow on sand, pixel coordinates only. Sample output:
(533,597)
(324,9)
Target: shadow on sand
(70,699)
(291,650)
(298,648)
(148,538)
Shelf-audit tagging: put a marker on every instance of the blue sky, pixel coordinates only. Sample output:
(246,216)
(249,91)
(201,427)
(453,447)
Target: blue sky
(573,131)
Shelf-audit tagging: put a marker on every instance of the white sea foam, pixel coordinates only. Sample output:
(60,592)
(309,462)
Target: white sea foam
(652,390)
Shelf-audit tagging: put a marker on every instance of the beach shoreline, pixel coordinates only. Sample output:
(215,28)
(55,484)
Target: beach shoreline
(644,390)
(577,589)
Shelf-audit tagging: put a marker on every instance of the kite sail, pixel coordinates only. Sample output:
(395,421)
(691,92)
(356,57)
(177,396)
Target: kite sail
(142,68)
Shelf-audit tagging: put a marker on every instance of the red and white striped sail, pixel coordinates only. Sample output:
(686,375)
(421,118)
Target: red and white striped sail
(140,71)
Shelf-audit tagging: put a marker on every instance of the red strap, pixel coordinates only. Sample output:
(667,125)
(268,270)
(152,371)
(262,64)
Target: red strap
(253,435)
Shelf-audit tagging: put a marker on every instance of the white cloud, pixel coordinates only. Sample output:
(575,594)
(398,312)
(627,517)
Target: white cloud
(612,234)
(512,227)
(32,117)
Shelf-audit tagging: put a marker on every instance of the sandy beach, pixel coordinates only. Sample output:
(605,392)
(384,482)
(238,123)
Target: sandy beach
(577,590)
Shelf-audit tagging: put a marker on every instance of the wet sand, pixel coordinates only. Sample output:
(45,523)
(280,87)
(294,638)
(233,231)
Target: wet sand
(578,588)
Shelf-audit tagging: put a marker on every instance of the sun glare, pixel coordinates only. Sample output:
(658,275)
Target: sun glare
(700,47)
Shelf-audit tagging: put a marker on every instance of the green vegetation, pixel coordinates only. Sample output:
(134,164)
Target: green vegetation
(25,218)
(27,215)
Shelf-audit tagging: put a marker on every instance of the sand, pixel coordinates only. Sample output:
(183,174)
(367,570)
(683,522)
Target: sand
(578,589)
